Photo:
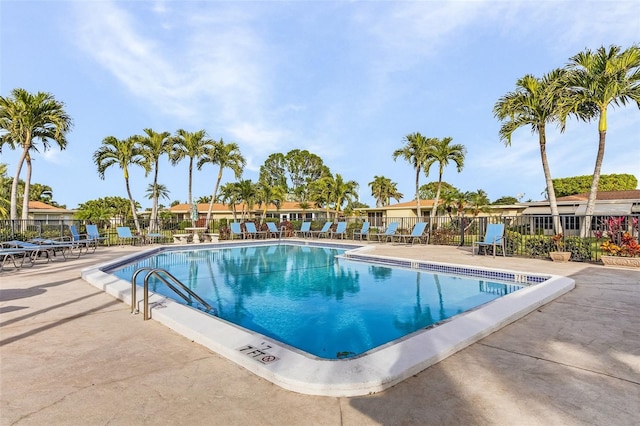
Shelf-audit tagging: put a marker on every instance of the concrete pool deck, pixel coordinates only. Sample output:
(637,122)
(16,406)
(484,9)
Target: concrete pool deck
(72,354)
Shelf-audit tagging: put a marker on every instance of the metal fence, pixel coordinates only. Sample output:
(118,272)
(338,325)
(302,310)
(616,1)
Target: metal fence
(527,236)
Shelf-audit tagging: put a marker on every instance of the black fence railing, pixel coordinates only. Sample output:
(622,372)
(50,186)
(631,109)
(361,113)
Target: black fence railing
(527,236)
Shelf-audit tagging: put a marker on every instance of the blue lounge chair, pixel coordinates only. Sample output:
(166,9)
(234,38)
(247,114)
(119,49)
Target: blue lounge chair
(324,231)
(389,233)
(494,238)
(82,240)
(252,232)
(235,230)
(37,251)
(12,255)
(341,230)
(273,230)
(94,234)
(363,232)
(305,230)
(416,234)
(125,236)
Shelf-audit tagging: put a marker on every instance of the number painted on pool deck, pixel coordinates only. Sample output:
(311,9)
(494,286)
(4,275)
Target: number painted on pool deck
(259,354)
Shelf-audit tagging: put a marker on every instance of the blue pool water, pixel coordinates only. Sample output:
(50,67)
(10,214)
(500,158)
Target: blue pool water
(310,299)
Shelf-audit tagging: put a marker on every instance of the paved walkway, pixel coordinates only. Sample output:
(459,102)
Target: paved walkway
(71,354)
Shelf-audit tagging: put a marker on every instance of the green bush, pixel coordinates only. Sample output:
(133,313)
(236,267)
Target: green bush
(538,246)
(580,248)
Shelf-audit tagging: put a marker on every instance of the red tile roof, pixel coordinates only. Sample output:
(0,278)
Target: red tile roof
(605,195)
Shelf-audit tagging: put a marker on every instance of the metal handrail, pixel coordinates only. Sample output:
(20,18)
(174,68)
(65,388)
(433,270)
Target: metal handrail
(171,282)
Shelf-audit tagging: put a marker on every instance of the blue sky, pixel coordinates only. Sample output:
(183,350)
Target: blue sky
(346,80)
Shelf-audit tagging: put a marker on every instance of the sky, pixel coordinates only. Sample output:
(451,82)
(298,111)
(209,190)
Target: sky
(345,80)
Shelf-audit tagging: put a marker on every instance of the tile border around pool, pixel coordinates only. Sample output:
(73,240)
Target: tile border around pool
(368,373)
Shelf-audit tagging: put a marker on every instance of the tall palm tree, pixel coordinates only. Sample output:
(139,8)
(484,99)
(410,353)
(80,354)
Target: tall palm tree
(441,151)
(599,79)
(227,156)
(383,189)
(26,119)
(154,145)
(192,145)
(415,152)
(534,103)
(157,191)
(247,195)
(122,153)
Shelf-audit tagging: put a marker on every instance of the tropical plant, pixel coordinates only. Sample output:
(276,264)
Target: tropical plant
(597,80)
(582,184)
(157,191)
(267,194)
(230,196)
(192,145)
(5,184)
(535,103)
(226,156)
(122,153)
(336,191)
(416,153)
(478,202)
(383,189)
(153,146)
(25,119)
(441,151)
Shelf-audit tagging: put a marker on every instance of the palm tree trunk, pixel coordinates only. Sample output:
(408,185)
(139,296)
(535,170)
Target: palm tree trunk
(435,202)
(133,205)
(418,192)
(190,200)
(14,186)
(213,196)
(27,189)
(551,193)
(154,205)
(593,193)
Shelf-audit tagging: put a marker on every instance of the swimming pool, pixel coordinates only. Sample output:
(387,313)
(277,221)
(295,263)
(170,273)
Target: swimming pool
(371,371)
(313,299)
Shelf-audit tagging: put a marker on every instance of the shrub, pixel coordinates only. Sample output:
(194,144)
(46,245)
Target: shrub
(580,248)
(538,246)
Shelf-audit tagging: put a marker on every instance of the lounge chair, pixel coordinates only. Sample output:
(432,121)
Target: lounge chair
(82,240)
(11,255)
(305,230)
(363,232)
(235,230)
(341,230)
(94,234)
(125,236)
(33,250)
(273,230)
(389,233)
(324,231)
(416,234)
(494,238)
(252,232)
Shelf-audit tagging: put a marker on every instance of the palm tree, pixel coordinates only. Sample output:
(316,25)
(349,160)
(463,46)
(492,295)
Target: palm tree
(227,156)
(267,194)
(4,194)
(338,191)
(192,145)
(415,152)
(25,119)
(230,196)
(534,103)
(383,189)
(157,191)
(123,153)
(154,145)
(479,202)
(599,79)
(247,194)
(442,152)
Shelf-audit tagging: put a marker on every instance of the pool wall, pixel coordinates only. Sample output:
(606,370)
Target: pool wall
(368,373)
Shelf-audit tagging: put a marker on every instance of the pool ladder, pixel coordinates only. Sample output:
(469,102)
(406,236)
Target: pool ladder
(170,281)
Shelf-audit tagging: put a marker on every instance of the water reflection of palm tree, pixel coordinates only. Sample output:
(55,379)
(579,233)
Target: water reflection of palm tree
(421,317)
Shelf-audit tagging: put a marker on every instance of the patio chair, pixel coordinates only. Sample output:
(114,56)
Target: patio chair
(494,238)
(416,234)
(252,232)
(389,233)
(82,240)
(11,255)
(341,230)
(305,230)
(33,250)
(235,231)
(363,232)
(125,235)
(94,234)
(273,230)
(324,231)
